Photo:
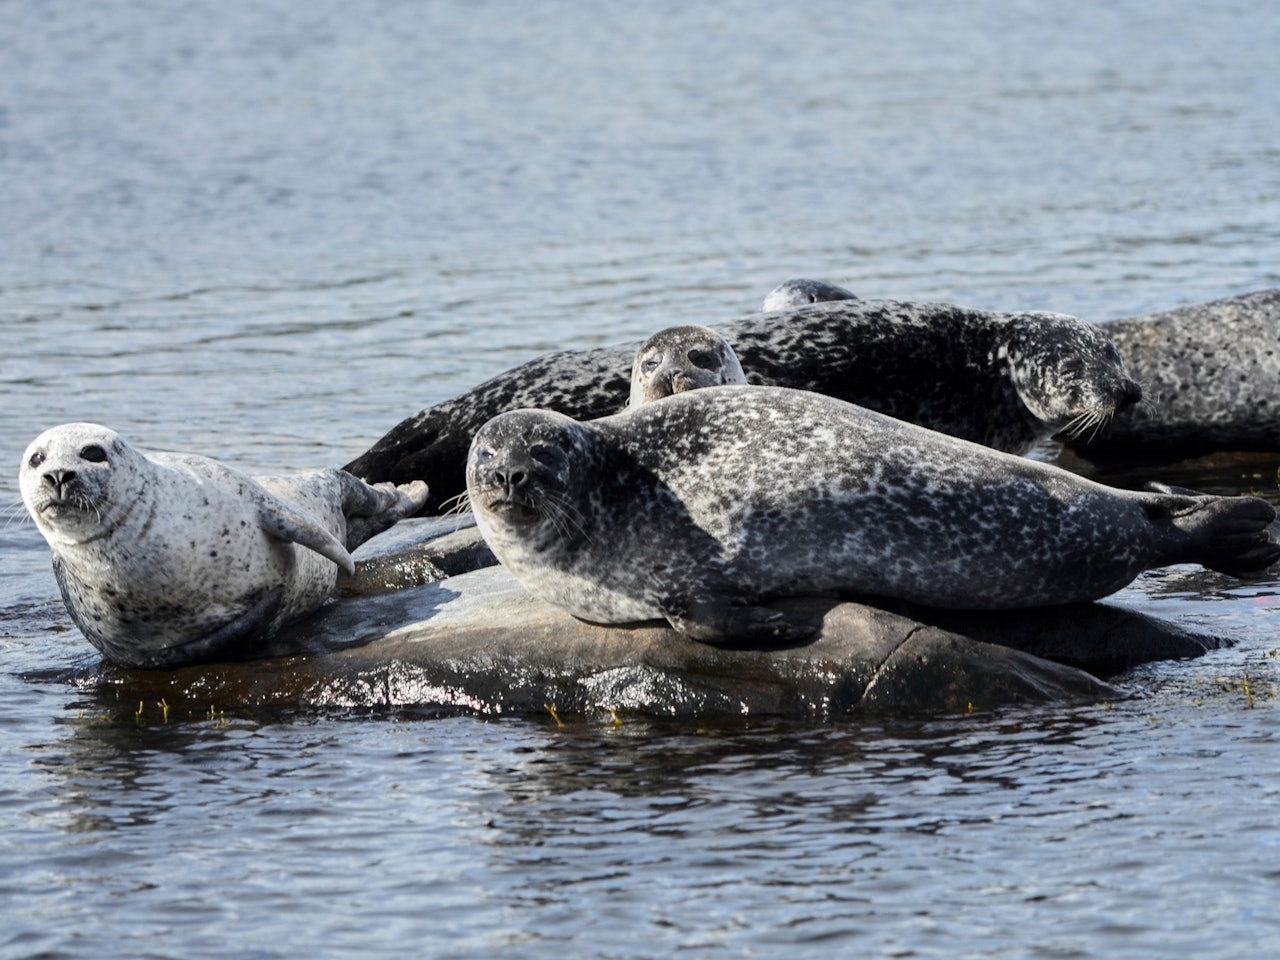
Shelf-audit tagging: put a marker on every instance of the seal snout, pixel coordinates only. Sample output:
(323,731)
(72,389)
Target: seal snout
(1130,393)
(62,482)
(512,479)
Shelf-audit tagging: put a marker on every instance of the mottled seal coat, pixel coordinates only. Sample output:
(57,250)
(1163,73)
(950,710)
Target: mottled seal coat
(1004,380)
(677,359)
(802,292)
(170,558)
(700,506)
(1211,376)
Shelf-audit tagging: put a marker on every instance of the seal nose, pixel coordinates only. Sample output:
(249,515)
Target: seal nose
(512,479)
(58,479)
(1130,393)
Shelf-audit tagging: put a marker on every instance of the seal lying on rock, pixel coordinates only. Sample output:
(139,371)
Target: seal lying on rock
(1005,380)
(170,558)
(682,358)
(698,508)
(802,292)
(1211,373)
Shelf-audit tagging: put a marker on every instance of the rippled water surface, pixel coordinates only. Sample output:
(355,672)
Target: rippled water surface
(269,231)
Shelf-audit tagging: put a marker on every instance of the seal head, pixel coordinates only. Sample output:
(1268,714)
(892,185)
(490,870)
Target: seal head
(1067,372)
(802,292)
(682,358)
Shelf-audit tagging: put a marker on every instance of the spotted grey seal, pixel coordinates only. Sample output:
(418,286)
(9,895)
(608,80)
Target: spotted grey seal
(802,292)
(170,558)
(1004,380)
(1211,374)
(698,508)
(677,359)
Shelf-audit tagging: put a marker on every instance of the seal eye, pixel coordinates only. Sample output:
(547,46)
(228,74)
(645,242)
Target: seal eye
(648,364)
(543,454)
(36,459)
(93,453)
(703,359)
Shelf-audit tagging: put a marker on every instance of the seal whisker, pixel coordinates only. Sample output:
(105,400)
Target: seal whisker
(567,517)
(15,514)
(457,507)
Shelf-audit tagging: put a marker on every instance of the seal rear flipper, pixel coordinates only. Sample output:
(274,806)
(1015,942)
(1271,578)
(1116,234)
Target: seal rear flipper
(286,522)
(721,624)
(372,508)
(1226,534)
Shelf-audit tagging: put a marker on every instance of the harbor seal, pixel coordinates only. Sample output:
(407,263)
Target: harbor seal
(677,359)
(698,508)
(1005,380)
(169,558)
(1211,373)
(801,293)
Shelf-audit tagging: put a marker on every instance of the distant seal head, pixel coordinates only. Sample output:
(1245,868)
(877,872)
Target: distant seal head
(1007,380)
(699,508)
(682,358)
(1211,375)
(802,293)
(170,558)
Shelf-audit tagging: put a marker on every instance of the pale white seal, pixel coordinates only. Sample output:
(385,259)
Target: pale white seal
(171,558)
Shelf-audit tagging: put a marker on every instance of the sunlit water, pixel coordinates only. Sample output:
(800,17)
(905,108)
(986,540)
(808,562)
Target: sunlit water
(266,232)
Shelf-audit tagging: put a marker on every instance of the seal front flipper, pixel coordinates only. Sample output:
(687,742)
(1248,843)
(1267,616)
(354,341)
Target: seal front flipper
(721,624)
(285,522)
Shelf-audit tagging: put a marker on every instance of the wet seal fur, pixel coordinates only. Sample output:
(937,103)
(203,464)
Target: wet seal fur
(698,508)
(677,359)
(1211,375)
(802,292)
(169,558)
(1004,380)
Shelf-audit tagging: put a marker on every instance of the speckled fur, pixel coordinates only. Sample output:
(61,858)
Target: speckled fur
(802,292)
(1210,374)
(169,558)
(677,359)
(727,497)
(1004,380)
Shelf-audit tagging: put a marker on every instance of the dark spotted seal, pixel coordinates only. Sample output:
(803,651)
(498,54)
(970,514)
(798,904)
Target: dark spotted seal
(1003,380)
(682,358)
(1211,377)
(169,558)
(698,508)
(801,293)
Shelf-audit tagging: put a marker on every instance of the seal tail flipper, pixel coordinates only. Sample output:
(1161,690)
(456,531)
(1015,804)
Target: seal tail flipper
(372,508)
(1229,534)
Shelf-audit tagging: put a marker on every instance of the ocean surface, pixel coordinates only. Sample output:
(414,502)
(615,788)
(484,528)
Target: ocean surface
(268,231)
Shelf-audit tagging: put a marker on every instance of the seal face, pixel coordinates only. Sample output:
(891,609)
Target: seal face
(170,558)
(801,292)
(1211,373)
(699,508)
(682,358)
(1008,381)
